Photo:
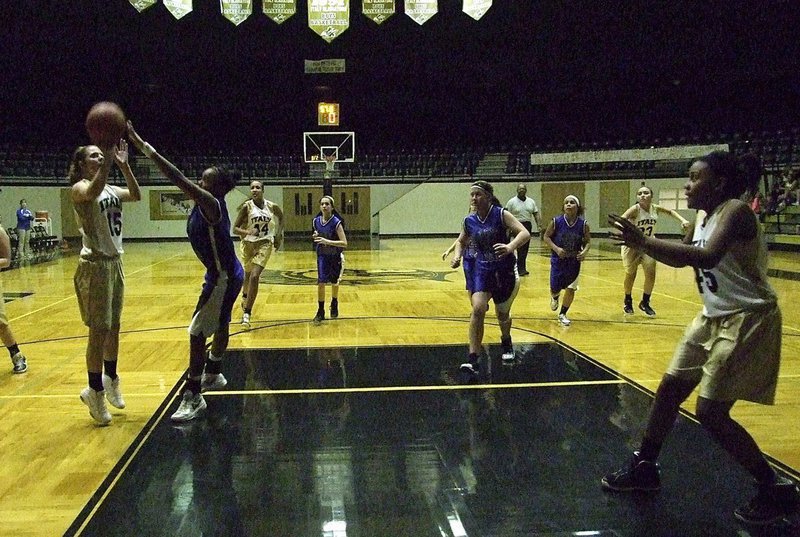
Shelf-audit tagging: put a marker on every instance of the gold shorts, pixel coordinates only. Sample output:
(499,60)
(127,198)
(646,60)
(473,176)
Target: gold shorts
(3,318)
(732,357)
(632,258)
(100,287)
(255,253)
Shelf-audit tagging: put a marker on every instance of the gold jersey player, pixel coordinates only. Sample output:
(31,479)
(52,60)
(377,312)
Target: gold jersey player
(99,280)
(644,215)
(260,226)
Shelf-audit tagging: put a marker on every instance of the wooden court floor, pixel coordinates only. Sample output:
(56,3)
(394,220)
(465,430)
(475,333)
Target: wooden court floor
(396,293)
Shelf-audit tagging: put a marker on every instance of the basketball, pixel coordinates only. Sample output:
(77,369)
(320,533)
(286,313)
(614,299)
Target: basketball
(105,124)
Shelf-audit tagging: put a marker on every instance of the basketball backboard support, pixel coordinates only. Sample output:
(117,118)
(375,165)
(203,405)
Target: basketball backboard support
(318,145)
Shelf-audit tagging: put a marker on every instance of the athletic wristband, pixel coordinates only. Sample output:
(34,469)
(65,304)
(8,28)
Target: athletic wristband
(148,150)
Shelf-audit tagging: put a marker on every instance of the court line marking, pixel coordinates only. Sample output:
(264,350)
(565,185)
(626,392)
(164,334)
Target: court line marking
(74,297)
(440,387)
(366,389)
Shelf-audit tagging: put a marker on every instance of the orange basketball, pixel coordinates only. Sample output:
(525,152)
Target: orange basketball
(105,123)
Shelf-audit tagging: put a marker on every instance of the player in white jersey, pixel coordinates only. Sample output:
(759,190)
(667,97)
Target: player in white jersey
(99,280)
(260,226)
(644,215)
(732,348)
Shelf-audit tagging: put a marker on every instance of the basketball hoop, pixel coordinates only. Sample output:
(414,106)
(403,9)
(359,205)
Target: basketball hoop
(330,163)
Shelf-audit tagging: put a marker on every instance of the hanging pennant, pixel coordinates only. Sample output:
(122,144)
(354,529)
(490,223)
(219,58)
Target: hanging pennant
(477,8)
(236,11)
(178,8)
(377,10)
(141,5)
(328,18)
(421,10)
(279,10)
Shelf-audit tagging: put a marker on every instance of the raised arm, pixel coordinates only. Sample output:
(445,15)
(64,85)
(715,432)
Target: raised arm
(131,192)
(204,199)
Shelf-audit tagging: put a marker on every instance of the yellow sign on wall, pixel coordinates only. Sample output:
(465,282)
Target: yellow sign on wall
(328,114)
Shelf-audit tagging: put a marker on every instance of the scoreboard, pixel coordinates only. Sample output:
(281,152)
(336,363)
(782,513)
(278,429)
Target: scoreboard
(328,114)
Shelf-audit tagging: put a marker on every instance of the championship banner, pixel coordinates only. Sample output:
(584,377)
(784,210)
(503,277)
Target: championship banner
(279,10)
(377,10)
(476,8)
(421,10)
(178,8)
(236,11)
(332,65)
(141,5)
(328,18)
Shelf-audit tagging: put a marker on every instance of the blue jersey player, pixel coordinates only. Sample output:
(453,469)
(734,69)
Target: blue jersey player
(493,274)
(329,242)
(568,237)
(209,231)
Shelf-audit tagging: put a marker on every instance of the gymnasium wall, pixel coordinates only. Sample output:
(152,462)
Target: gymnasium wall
(396,209)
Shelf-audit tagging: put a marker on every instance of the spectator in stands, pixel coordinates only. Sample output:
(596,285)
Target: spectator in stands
(791,190)
(644,215)
(525,210)
(260,226)
(99,279)
(774,197)
(756,200)
(24,220)
(6,335)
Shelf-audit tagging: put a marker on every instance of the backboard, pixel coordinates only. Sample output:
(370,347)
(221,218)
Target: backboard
(318,145)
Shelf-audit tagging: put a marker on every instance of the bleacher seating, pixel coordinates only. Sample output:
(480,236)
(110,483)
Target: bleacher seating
(47,165)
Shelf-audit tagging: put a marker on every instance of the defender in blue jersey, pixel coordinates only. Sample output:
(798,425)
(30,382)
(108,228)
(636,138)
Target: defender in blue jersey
(329,241)
(493,274)
(568,237)
(209,231)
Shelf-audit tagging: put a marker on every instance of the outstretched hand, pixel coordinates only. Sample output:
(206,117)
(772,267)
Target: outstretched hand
(121,152)
(134,136)
(625,232)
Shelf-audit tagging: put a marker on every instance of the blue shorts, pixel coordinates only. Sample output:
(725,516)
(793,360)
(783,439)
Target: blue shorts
(215,303)
(499,281)
(563,272)
(469,270)
(330,268)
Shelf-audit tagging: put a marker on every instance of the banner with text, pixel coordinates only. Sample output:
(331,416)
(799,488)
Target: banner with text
(332,65)
(279,10)
(421,10)
(377,10)
(476,8)
(178,8)
(236,11)
(678,152)
(328,18)
(141,5)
